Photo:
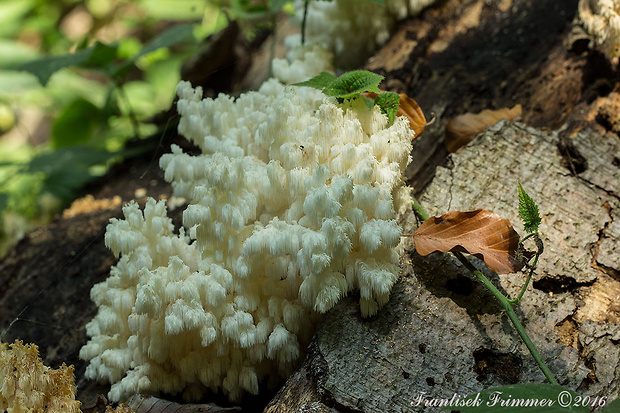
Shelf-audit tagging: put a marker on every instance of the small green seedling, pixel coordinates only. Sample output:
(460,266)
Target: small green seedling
(528,210)
(351,85)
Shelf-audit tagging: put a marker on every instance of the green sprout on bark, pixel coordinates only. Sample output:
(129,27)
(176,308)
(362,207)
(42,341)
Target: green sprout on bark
(528,210)
(529,213)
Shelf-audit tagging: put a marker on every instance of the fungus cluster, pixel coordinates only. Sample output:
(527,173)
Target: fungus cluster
(292,204)
(352,29)
(27,385)
(601,18)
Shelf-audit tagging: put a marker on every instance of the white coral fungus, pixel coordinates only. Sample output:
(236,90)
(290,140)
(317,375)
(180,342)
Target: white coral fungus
(27,385)
(292,204)
(601,18)
(353,29)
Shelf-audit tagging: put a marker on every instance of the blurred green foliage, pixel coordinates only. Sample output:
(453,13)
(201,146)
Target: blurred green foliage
(78,79)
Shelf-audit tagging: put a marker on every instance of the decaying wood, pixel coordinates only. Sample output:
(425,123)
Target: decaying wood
(442,333)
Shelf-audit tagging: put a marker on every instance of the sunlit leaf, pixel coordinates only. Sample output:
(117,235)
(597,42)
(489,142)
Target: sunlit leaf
(347,86)
(528,210)
(173,10)
(522,398)
(15,53)
(75,124)
(354,83)
(320,81)
(410,108)
(11,14)
(481,233)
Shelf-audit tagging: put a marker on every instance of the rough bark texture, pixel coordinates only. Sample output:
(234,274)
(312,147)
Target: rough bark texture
(441,333)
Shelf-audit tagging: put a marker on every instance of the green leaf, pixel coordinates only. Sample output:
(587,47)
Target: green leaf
(351,84)
(612,407)
(4,199)
(388,103)
(320,81)
(528,210)
(75,124)
(68,168)
(64,183)
(98,55)
(180,33)
(45,67)
(519,398)
(347,86)
(101,55)
(78,156)
(15,53)
(12,13)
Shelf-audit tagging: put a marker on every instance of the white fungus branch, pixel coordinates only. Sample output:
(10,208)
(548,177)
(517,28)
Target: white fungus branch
(291,205)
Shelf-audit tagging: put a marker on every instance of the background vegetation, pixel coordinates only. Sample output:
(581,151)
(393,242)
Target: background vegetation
(79,79)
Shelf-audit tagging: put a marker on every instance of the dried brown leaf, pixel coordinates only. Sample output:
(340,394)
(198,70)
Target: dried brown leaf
(481,233)
(462,128)
(409,108)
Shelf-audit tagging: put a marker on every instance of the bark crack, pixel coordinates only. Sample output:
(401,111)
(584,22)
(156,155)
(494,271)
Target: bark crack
(602,236)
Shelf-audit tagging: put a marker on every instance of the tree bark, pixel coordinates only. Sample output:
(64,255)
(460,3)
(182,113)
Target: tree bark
(442,333)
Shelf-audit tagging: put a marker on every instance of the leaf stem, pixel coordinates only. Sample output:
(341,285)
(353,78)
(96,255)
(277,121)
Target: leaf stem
(527,281)
(419,210)
(507,306)
(539,247)
(503,300)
